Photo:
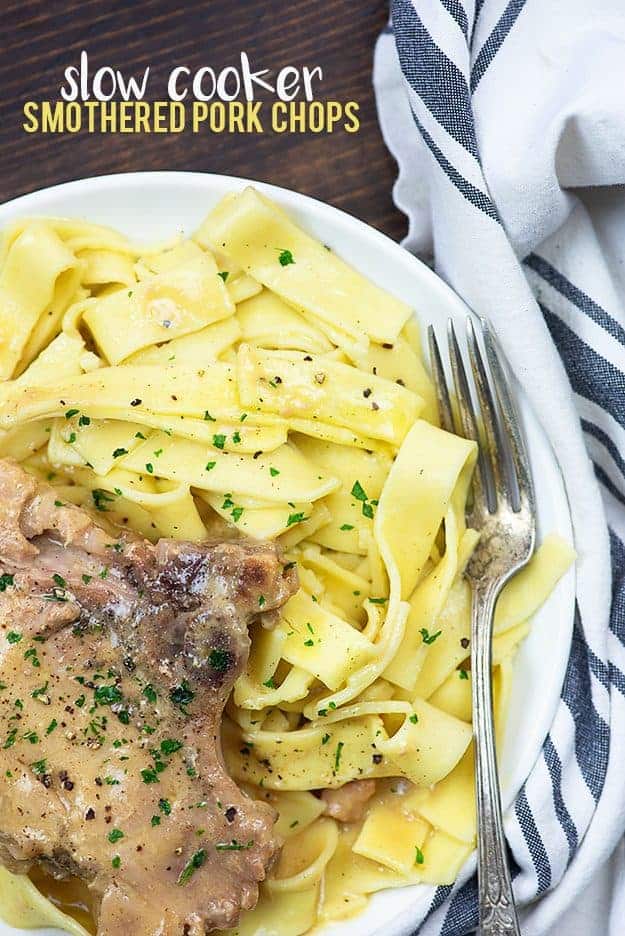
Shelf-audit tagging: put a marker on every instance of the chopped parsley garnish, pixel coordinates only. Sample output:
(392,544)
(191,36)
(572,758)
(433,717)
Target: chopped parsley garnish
(149,467)
(84,421)
(56,594)
(285,258)
(59,503)
(164,806)
(86,578)
(269,683)
(149,693)
(236,437)
(325,739)
(210,465)
(158,453)
(116,861)
(208,417)
(237,513)
(242,417)
(219,440)
(119,452)
(31,736)
(261,601)
(414,718)
(115,835)
(149,775)
(427,637)
(361,495)
(10,740)
(59,580)
(14,637)
(295,518)
(72,438)
(274,472)
(53,724)
(71,412)
(100,499)
(31,655)
(155,820)
(139,435)
(224,275)
(463,674)
(378,601)
(219,659)
(309,643)
(5,580)
(419,859)
(107,695)
(39,767)
(170,746)
(182,694)
(337,756)
(196,861)
(347,526)
(358,492)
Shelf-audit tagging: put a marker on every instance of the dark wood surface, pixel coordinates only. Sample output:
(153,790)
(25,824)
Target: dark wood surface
(39,38)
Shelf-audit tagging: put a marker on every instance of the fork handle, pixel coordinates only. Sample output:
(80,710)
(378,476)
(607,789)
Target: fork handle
(498,915)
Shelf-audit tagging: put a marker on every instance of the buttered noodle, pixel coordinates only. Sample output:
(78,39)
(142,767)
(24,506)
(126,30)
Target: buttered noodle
(247,381)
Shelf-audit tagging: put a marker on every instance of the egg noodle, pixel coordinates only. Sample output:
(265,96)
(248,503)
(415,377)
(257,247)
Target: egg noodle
(247,381)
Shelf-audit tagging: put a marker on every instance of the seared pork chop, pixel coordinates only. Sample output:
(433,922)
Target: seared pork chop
(116,659)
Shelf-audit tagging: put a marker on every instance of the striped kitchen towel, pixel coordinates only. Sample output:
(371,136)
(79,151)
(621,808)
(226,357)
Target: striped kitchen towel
(507,121)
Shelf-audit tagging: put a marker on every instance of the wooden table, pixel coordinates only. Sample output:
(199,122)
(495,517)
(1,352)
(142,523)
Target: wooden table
(39,38)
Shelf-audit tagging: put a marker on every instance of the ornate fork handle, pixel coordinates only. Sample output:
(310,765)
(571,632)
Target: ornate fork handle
(497,911)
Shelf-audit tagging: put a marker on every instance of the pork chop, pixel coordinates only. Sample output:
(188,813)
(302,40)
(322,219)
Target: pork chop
(116,660)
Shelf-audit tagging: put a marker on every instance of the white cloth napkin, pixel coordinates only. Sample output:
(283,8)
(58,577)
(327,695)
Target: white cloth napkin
(507,120)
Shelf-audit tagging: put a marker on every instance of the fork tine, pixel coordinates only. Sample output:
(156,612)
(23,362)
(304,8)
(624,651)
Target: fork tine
(511,421)
(440,382)
(496,441)
(483,488)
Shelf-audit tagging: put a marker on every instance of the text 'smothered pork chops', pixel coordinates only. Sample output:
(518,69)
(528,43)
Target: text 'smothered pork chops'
(116,659)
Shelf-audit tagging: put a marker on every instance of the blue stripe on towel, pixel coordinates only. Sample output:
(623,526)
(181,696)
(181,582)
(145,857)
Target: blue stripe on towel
(472,194)
(590,374)
(440,896)
(458,12)
(579,298)
(602,437)
(495,41)
(592,735)
(534,842)
(433,76)
(554,766)
(608,484)
(617,624)
(461,917)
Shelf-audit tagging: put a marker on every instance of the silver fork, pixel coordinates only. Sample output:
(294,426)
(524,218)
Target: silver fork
(503,511)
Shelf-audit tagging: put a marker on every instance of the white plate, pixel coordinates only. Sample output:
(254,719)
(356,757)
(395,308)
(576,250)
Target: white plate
(155,205)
